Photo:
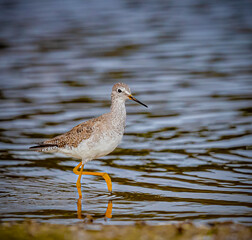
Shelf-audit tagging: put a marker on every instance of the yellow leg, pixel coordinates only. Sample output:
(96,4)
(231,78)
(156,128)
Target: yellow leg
(79,209)
(78,183)
(104,175)
(108,213)
(75,170)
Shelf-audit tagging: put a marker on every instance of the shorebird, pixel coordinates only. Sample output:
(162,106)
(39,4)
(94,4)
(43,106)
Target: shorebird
(94,138)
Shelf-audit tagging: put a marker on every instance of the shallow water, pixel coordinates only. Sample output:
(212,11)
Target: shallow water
(188,156)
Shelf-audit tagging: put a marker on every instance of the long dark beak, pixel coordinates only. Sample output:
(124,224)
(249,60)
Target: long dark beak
(134,99)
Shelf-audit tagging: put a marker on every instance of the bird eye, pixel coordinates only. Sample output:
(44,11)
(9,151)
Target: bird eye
(119,90)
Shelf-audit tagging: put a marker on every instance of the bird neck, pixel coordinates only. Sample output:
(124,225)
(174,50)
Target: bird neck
(118,110)
(118,106)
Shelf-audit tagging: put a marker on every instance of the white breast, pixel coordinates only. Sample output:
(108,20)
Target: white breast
(94,147)
(105,146)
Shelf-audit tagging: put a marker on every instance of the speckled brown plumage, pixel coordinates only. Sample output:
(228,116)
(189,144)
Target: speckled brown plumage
(77,134)
(73,137)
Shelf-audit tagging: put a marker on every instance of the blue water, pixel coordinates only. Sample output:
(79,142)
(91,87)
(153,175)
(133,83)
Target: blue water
(188,156)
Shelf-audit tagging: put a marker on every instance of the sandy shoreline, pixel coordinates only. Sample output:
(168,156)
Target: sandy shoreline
(183,230)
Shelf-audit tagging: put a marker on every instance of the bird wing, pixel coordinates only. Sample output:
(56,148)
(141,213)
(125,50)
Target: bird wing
(73,137)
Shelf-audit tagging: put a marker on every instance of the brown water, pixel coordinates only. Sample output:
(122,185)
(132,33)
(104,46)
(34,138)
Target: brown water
(188,156)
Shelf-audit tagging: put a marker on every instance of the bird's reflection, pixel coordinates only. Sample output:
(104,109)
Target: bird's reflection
(108,213)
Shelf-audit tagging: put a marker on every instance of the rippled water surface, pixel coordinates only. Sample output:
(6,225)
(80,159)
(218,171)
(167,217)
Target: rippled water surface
(188,156)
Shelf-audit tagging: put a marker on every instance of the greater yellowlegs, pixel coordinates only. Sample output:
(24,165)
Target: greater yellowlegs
(94,138)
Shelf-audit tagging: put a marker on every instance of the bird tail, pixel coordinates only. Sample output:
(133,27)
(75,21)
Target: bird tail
(44,147)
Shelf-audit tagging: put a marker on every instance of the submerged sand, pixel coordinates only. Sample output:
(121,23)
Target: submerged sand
(89,231)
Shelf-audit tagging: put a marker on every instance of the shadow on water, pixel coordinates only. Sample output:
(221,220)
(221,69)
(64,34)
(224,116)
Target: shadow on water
(108,213)
(188,156)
